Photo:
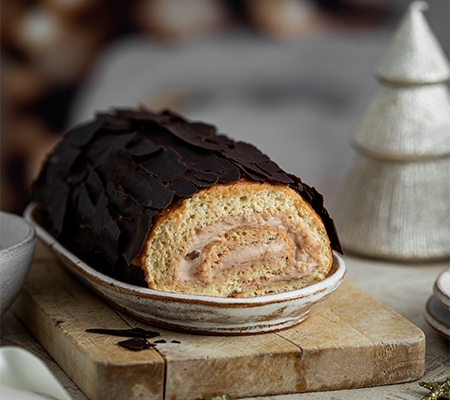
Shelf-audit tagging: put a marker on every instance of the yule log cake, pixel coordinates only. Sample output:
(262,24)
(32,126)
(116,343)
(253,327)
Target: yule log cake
(159,201)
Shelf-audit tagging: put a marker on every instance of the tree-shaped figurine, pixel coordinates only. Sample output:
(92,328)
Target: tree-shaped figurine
(395,203)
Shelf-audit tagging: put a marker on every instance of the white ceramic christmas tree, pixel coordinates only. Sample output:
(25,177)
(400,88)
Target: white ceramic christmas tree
(395,203)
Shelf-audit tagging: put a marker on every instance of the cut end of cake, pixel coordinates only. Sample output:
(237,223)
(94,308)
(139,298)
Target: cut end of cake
(243,239)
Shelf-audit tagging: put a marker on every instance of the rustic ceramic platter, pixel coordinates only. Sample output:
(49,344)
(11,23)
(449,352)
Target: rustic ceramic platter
(199,314)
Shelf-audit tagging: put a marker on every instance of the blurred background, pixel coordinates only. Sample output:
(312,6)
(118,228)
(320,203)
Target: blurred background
(293,77)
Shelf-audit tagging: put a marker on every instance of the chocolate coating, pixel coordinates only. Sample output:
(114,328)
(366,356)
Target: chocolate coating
(136,344)
(102,186)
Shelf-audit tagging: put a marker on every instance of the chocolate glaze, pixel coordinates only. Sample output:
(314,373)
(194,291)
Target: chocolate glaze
(136,344)
(101,188)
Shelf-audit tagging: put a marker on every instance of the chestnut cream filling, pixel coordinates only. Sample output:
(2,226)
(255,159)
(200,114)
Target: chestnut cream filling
(244,247)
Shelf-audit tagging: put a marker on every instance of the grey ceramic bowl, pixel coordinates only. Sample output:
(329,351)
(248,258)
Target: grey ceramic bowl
(17,244)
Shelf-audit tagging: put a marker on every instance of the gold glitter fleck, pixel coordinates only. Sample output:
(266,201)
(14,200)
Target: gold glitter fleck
(439,390)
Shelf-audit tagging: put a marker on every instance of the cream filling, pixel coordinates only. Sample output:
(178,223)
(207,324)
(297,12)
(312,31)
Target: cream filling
(290,252)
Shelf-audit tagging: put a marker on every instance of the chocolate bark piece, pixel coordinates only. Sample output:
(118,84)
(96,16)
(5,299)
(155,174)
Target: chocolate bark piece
(142,147)
(132,232)
(254,162)
(104,184)
(149,191)
(107,145)
(136,344)
(165,165)
(82,134)
(199,134)
(182,187)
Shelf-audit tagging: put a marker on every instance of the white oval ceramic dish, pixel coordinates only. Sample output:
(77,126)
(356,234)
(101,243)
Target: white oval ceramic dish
(438,317)
(199,314)
(17,243)
(441,288)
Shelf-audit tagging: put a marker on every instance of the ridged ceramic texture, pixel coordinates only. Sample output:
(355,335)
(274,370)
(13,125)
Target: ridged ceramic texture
(396,210)
(395,203)
(414,55)
(407,123)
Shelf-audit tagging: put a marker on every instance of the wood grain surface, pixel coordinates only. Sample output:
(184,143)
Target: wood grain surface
(350,340)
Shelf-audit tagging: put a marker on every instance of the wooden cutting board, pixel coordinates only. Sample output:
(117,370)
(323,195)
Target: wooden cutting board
(350,340)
